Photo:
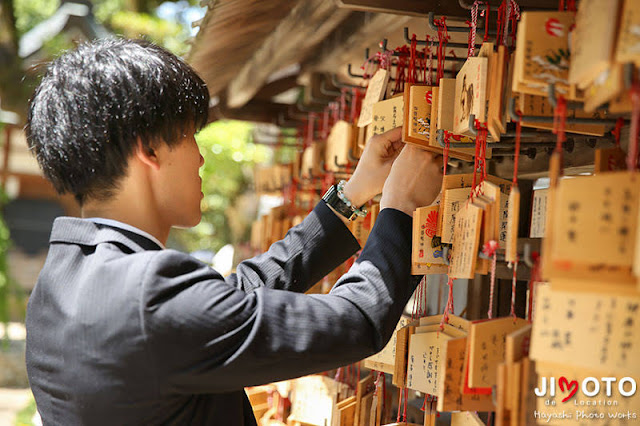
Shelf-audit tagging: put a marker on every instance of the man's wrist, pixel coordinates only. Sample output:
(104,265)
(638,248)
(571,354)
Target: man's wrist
(355,194)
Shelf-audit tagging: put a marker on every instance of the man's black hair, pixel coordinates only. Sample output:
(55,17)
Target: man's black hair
(93,104)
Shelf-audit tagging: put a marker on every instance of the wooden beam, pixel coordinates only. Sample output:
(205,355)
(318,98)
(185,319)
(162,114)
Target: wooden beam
(276,87)
(306,26)
(406,7)
(351,38)
(256,111)
(439,7)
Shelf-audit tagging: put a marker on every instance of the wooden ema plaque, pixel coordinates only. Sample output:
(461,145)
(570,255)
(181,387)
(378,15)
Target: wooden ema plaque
(486,349)
(387,115)
(471,92)
(466,418)
(606,87)
(385,359)
(540,106)
(496,116)
(588,330)
(609,160)
(466,241)
(542,52)
(595,223)
(346,411)
(513,222)
(538,213)
(364,399)
(450,396)
(375,93)
(338,143)
(314,400)
(427,248)
(425,351)
(463,180)
(592,40)
(417,126)
(615,409)
(628,46)
(444,118)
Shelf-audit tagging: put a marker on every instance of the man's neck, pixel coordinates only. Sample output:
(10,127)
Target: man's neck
(126,213)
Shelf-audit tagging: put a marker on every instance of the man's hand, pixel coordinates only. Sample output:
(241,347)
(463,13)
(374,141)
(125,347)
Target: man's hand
(374,167)
(414,181)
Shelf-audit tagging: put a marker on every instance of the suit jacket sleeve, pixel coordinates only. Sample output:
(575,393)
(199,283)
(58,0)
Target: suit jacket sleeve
(308,252)
(205,335)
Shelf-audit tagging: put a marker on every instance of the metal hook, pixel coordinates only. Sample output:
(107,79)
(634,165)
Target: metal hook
(340,166)
(327,92)
(352,158)
(407,39)
(569,120)
(352,74)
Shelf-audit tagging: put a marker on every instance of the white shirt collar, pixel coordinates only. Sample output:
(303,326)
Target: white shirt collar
(118,224)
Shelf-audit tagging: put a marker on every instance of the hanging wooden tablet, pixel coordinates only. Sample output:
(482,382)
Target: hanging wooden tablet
(503,414)
(496,100)
(540,106)
(347,411)
(628,46)
(517,344)
(593,40)
(538,213)
(588,330)
(454,321)
(387,115)
(424,361)
(428,269)
(487,51)
(418,104)
(375,93)
(466,241)
(487,340)
(338,143)
(453,201)
(450,396)
(466,418)
(471,90)
(605,87)
(593,213)
(609,160)
(401,355)
(364,388)
(427,247)
(385,359)
(513,222)
(444,119)
(542,52)
(314,400)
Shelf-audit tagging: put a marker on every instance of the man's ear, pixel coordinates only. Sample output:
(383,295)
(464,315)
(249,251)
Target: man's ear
(147,155)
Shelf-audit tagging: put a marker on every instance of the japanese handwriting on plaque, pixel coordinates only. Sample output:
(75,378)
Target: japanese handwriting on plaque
(487,343)
(385,359)
(387,115)
(596,220)
(471,92)
(424,361)
(627,48)
(466,241)
(375,92)
(450,396)
(538,213)
(587,329)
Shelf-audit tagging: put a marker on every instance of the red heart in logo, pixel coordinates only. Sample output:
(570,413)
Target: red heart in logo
(573,385)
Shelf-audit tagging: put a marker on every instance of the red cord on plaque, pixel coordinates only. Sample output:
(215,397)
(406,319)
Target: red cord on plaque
(491,249)
(443,38)
(401,69)
(559,123)
(412,73)
(570,6)
(473,27)
(429,52)
(448,309)
(514,17)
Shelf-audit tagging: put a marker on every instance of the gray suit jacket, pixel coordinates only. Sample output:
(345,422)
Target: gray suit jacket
(121,332)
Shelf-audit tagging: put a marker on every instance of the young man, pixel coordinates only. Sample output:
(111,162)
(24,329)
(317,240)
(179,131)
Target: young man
(120,330)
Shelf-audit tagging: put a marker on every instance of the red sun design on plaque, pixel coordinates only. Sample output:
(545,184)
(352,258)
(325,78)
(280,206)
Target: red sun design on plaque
(554,28)
(429,96)
(431,225)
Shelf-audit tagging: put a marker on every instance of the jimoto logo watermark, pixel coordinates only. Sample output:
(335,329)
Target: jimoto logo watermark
(591,387)
(593,398)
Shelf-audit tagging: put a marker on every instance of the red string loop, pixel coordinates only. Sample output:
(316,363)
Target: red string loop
(632,155)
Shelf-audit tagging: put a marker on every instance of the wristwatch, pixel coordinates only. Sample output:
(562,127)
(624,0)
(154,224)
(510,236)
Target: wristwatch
(335,198)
